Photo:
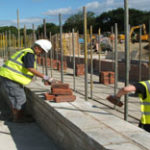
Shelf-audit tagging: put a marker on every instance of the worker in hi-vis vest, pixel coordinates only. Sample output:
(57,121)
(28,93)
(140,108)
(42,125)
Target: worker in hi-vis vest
(143,90)
(19,71)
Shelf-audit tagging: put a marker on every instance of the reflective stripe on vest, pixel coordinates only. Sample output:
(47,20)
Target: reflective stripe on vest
(18,71)
(145,104)
(14,68)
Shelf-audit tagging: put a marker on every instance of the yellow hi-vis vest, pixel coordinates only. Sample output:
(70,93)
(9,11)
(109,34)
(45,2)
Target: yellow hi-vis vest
(145,103)
(14,68)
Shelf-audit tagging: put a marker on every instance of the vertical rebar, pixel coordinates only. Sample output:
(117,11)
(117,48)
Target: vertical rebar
(3,47)
(140,52)
(149,50)
(70,47)
(18,25)
(126,17)
(91,54)
(61,48)
(99,50)
(73,48)
(51,56)
(116,59)
(33,33)
(78,43)
(85,51)
(57,47)
(25,36)
(6,46)
(9,47)
(44,24)
(112,42)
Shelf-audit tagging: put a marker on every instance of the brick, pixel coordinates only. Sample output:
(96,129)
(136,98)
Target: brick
(104,77)
(47,83)
(49,96)
(111,77)
(59,91)
(105,81)
(111,80)
(104,74)
(60,85)
(65,98)
(80,70)
(111,74)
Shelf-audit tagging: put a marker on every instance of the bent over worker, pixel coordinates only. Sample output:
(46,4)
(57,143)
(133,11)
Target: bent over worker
(143,90)
(19,71)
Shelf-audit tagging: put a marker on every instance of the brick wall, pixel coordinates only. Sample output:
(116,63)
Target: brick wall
(108,65)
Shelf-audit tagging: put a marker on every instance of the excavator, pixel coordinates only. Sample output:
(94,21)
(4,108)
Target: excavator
(144,37)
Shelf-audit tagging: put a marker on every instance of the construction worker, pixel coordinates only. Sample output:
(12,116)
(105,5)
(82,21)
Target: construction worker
(19,71)
(143,90)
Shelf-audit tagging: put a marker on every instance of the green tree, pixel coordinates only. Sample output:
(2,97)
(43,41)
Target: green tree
(76,21)
(108,19)
(50,27)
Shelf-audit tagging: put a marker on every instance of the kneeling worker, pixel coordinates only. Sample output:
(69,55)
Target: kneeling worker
(19,71)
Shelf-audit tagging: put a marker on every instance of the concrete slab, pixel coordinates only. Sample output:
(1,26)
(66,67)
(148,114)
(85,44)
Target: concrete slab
(99,129)
(24,136)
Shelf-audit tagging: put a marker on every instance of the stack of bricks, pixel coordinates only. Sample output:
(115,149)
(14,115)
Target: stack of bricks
(60,92)
(107,77)
(79,69)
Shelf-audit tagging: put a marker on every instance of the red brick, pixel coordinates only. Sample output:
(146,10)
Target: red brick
(80,70)
(47,83)
(59,91)
(49,96)
(111,74)
(65,98)
(104,74)
(111,80)
(60,85)
(105,81)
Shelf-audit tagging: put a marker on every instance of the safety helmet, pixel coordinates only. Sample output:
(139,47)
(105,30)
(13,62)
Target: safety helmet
(44,44)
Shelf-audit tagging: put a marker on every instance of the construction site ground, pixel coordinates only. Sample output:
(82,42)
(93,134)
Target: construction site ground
(108,127)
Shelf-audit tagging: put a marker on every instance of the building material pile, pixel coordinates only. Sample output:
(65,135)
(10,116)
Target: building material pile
(107,77)
(60,92)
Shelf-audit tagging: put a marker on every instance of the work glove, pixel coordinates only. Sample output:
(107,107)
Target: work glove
(48,79)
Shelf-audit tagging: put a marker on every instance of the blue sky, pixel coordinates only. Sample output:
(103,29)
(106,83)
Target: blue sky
(34,11)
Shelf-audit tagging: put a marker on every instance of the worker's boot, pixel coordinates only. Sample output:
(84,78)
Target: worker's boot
(19,117)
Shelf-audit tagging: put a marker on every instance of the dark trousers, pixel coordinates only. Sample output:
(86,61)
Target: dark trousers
(146,127)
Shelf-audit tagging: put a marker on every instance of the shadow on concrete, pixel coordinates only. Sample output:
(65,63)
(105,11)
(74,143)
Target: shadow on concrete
(21,136)
(28,136)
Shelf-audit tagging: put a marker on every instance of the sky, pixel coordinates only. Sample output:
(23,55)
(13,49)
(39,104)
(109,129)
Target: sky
(34,11)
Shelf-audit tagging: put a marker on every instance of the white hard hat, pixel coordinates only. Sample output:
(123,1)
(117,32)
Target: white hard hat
(44,44)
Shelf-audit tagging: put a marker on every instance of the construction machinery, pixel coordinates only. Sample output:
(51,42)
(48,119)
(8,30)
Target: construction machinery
(144,37)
